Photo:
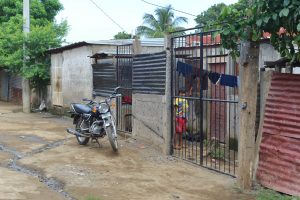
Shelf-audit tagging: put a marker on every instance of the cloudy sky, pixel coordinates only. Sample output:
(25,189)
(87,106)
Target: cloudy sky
(87,22)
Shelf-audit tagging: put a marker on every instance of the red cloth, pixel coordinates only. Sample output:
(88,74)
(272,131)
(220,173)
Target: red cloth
(180,125)
(127,100)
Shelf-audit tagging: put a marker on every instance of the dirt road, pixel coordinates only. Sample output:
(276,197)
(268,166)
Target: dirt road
(39,160)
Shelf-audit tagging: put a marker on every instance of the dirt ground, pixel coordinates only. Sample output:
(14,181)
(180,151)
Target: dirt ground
(39,160)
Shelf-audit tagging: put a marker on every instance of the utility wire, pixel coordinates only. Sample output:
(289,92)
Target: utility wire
(166,7)
(108,15)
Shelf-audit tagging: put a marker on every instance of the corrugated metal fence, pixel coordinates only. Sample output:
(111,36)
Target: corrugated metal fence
(149,73)
(279,156)
(104,76)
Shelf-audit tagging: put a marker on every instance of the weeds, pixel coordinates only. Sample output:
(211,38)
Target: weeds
(92,198)
(267,194)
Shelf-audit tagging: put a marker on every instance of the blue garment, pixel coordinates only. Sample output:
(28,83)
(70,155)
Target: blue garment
(184,69)
(214,77)
(229,80)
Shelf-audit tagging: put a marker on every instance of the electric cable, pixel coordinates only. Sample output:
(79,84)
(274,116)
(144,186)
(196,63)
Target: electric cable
(171,8)
(107,15)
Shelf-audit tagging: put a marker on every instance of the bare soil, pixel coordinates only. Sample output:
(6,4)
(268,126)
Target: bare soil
(39,160)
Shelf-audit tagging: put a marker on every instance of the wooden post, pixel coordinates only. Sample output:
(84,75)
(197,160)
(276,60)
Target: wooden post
(248,101)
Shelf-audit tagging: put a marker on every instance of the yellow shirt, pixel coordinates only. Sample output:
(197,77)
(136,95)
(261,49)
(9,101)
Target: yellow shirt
(182,107)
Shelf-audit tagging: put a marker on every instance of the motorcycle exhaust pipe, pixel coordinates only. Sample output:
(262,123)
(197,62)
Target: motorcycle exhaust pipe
(76,133)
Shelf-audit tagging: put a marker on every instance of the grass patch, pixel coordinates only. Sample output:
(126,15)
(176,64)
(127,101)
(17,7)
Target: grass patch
(92,198)
(218,153)
(267,194)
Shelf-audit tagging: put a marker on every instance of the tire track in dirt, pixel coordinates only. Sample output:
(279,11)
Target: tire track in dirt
(51,182)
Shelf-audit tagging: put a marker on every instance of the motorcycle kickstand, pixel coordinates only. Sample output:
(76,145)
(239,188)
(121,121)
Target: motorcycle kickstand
(96,139)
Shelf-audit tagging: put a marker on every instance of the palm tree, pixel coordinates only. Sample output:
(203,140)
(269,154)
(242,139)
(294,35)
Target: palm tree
(164,23)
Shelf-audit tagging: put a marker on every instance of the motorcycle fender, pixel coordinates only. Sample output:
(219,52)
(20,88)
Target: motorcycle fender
(107,119)
(76,118)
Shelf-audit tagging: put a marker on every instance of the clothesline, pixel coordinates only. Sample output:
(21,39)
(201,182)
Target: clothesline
(216,78)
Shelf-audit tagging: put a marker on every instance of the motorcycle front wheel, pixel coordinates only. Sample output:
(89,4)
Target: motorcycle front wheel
(112,137)
(81,140)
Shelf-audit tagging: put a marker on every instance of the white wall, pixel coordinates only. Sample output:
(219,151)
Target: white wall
(77,75)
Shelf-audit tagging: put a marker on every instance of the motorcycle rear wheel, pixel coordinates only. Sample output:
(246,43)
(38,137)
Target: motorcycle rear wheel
(110,131)
(81,140)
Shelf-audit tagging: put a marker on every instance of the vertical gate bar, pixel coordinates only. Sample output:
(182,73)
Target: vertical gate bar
(172,95)
(201,98)
(193,108)
(117,99)
(220,120)
(225,125)
(183,85)
(196,100)
(235,121)
(206,107)
(229,128)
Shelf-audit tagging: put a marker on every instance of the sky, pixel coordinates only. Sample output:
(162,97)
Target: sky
(88,23)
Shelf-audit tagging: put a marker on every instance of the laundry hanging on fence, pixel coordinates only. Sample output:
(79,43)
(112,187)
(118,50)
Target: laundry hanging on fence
(223,79)
(214,77)
(184,68)
(229,80)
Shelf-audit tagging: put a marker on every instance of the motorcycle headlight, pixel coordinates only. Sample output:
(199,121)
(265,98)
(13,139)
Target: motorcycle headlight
(103,108)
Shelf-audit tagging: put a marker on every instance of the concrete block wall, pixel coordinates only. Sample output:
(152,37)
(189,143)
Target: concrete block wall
(147,110)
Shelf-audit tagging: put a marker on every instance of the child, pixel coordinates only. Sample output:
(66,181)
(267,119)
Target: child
(181,108)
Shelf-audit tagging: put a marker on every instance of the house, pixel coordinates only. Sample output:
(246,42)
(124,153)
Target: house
(72,71)
(10,87)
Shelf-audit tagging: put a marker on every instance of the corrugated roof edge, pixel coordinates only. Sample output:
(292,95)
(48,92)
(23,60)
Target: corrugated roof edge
(67,47)
(144,42)
(153,42)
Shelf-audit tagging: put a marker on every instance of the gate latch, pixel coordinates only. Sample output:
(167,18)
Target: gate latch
(244,105)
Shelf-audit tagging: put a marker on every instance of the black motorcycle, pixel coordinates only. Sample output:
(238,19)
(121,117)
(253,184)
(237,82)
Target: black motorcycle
(93,121)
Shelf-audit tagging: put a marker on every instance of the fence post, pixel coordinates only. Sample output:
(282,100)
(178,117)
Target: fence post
(247,107)
(168,107)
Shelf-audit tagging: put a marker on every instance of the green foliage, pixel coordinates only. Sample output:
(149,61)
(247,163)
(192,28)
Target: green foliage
(281,19)
(218,153)
(266,194)
(235,26)
(123,35)
(209,17)
(248,22)
(164,22)
(44,34)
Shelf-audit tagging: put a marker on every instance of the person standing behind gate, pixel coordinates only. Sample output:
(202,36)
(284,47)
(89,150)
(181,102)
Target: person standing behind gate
(195,90)
(181,109)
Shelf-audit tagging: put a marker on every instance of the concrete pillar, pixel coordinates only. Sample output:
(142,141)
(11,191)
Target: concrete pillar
(167,121)
(25,83)
(137,47)
(26,95)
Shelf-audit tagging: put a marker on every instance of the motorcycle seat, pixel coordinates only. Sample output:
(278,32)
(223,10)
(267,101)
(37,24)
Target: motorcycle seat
(81,108)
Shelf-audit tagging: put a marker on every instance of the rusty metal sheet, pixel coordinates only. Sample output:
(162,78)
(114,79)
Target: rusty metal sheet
(279,156)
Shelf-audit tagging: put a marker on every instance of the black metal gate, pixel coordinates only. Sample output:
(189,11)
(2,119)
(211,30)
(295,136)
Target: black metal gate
(124,59)
(204,100)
